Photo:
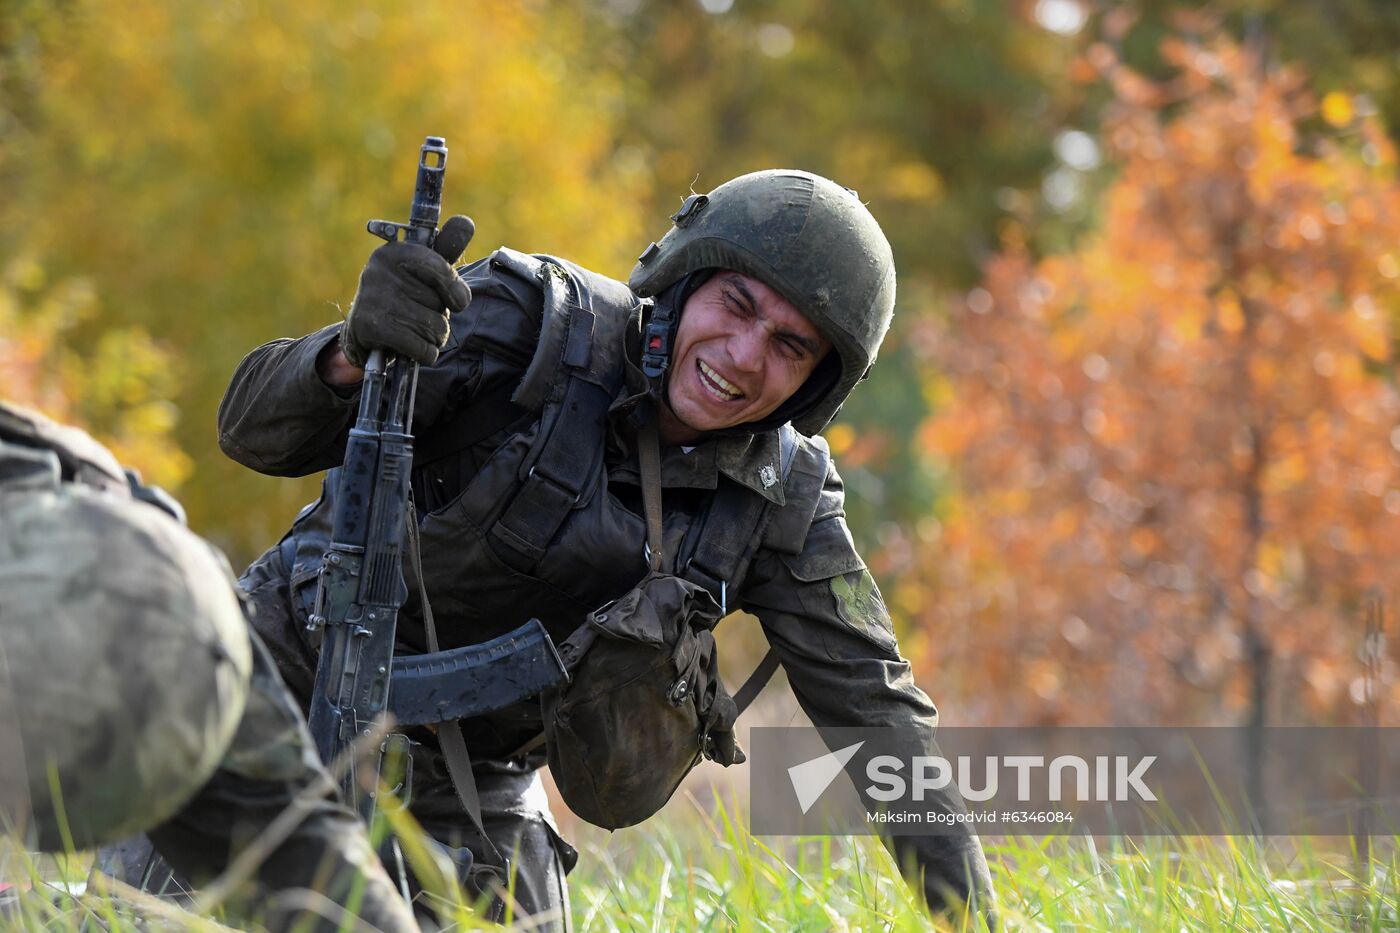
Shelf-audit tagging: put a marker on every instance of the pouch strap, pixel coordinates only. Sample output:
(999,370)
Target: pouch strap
(649,454)
(752,687)
(732,528)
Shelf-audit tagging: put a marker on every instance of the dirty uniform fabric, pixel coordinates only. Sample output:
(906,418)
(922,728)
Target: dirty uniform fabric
(527,483)
(102,599)
(132,675)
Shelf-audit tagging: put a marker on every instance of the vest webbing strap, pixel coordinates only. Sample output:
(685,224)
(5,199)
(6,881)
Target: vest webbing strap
(649,457)
(733,526)
(569,453)
(564,461)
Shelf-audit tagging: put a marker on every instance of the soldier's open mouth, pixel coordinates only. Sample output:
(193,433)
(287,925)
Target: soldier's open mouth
(722,389)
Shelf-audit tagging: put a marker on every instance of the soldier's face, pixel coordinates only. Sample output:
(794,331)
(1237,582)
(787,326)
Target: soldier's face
(741,350)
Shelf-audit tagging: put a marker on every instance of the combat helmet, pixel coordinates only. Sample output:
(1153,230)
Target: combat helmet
(811,240)
(124,654)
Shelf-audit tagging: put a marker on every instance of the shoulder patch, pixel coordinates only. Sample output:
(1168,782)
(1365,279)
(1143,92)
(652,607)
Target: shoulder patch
(860,606)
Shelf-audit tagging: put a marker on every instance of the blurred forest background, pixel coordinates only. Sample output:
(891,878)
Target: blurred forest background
(1132,451)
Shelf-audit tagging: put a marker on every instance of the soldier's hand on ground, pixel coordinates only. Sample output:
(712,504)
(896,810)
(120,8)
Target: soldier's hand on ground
(406,292)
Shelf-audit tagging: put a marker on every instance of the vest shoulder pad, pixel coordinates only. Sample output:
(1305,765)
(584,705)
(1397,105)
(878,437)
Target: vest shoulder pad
(584,321)
(507,307)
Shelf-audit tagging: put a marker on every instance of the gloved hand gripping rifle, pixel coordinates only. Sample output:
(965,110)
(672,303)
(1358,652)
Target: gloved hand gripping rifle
(361,586)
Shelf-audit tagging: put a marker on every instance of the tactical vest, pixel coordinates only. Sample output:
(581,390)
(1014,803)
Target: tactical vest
(536,531)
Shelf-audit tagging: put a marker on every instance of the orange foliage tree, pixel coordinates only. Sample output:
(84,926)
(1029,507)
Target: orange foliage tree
(1174,450)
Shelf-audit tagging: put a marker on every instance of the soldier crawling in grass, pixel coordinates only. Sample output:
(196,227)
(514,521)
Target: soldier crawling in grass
(628,463)
(135,698)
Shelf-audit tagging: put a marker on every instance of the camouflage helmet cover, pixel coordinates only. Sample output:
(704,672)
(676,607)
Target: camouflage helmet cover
(803,235)
(124,661)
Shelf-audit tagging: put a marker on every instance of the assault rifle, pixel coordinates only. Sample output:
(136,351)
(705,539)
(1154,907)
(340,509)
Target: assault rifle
(361,585)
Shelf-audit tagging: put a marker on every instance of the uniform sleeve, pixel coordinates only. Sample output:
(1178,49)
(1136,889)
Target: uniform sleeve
(278,417)
(824,617)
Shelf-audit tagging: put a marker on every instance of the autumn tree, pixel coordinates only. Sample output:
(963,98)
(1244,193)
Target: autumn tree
(1344,44)
(1175,447)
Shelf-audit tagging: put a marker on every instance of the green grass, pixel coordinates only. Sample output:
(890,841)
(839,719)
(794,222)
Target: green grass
(708,873)
(714,875)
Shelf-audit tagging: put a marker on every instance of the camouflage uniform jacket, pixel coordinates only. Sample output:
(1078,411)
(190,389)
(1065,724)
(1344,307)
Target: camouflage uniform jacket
(819,608)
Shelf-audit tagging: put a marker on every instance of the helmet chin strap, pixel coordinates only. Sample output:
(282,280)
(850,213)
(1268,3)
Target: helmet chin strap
(659,335)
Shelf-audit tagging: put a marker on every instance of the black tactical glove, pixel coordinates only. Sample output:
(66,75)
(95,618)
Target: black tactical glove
(405,293)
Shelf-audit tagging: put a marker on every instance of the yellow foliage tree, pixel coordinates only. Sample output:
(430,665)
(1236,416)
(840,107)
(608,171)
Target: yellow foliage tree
(208,170)
(121,393)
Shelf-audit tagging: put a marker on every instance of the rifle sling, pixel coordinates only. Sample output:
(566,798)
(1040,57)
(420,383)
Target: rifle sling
(454,746)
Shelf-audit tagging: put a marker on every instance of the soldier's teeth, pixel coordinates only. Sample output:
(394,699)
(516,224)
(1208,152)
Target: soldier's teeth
(724,384)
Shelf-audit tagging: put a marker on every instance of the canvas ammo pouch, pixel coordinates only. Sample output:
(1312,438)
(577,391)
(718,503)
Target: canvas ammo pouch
(644,703)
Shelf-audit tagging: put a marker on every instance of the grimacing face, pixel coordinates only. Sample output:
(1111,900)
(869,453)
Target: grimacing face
(741,350)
